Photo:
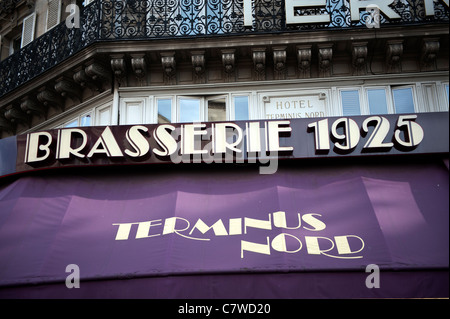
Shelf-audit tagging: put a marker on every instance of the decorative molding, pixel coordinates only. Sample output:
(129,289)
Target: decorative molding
(279,62)
(139,66)
(169,66)
(198,63)
(32,107)
(15,115)
(118,66)
(259,63)
(66,87)
(430,49)
(325,59)
(304,60)
(229,61)
(97,71)
(394,52)
(50,98)
(83,80)
(359,58)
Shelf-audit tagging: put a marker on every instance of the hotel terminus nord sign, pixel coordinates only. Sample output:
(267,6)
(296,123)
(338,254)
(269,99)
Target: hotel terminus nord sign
(259,141)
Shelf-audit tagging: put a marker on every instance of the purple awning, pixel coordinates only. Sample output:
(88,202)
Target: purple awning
(227,222)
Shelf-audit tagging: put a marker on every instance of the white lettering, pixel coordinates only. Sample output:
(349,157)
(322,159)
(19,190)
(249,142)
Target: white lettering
(137,141)
(64,149)
(274,130)
(165,140)
(33,147)
(106,144)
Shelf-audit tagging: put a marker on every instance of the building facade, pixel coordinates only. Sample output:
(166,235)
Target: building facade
(104,69)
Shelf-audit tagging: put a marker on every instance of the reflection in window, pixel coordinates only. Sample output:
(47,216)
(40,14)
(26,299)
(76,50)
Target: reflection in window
(377,101)
(189,110)
(217,109)
(350,102)
(85,120)
(241,108)
(73,123)
(164,111)
(403,100)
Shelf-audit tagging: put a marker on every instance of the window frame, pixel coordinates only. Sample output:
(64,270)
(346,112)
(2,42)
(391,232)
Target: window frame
(413,92)
(359,89)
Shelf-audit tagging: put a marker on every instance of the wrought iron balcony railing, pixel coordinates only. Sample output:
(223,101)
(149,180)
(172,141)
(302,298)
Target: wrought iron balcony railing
(110,20)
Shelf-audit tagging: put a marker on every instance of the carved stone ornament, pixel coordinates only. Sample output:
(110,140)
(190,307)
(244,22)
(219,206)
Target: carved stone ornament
(359,57)
(198,64)
(169,67)
(31,107)
(228,61)
(259,63)
(50,98)
(118,65)
(66,87)
(325,60)
(279,62)
(80,77)
(394,52)
(139,64)
(430,49)
(304,61)
(15,115)
(97,71)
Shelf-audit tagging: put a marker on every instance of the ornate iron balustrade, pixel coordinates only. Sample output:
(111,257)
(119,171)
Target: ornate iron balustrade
(110,20)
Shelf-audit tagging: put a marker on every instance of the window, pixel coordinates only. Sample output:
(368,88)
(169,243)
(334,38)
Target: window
(82,120)
(350,102)
(28,26)
(189,109)
(377,101)
(241,107)
(53,14)
(134,111)
(403,100)
(15,44)
(100,115)
(212,108)
(217,109)
(164,108)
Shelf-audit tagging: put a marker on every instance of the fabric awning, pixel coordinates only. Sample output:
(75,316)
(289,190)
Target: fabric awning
(195,225)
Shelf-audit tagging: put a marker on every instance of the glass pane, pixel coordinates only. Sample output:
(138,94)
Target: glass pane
(217,109)
(164,111)
(403,100)
(104,116)
(189,110)
(74,123)
(377,101)
(350,102)
(241,108)
(86,120)
(134,113)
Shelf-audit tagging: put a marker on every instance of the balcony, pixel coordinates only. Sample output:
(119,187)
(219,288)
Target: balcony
(119,20)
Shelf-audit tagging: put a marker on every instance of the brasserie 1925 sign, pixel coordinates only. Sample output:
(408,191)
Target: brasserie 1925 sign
(217,142)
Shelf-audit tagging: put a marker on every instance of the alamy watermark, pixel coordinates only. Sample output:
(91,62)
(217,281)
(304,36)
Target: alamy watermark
(372,20)
(73,19)
(373,280)
(73,279)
